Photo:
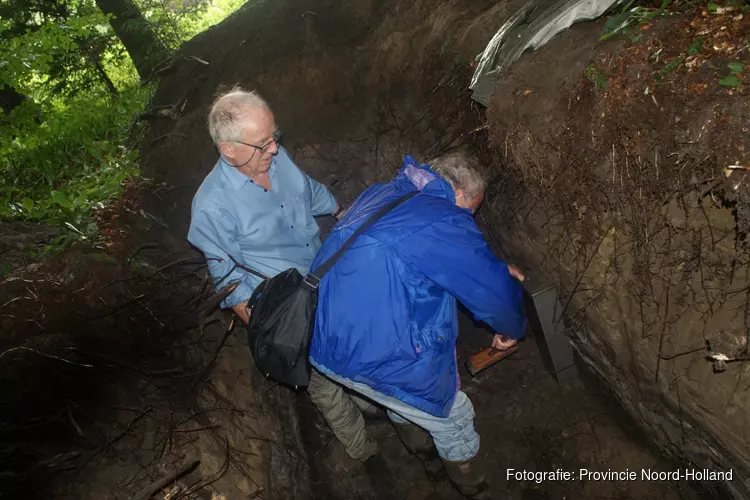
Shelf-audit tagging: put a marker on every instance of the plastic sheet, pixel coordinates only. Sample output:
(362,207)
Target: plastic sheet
(545,20)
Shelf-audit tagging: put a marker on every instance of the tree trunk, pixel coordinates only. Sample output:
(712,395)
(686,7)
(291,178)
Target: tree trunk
(104,77)
(141,42)
(10,98)
(94,58)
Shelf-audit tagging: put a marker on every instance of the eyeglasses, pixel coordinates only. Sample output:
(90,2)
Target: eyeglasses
(274,139)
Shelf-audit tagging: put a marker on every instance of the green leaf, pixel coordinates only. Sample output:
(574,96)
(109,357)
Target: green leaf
(28,204)
(62,199)
(696,46)
(103,258)
(616,23)
(730,81)
(736,67)
(672,65)
(712,7)
(142,268)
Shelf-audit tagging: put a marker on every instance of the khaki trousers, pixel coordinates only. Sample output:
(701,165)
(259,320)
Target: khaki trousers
(342,410)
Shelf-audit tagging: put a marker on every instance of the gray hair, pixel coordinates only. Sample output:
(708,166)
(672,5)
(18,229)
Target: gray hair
(458,170)
(228,112)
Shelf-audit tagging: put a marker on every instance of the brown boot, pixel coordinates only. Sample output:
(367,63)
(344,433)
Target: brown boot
(469,478)
(419,443)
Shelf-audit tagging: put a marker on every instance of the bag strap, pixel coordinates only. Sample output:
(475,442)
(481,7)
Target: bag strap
(322,269)
(244,268)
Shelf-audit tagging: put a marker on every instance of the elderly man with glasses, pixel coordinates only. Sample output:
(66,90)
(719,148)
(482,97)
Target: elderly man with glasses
(256,208)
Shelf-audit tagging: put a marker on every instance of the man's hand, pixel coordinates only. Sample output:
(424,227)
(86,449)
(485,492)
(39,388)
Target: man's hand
(503,343)
(516,273)
(242,312)
(339,212)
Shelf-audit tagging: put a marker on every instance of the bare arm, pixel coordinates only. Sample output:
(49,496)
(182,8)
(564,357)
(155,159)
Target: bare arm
(242,311)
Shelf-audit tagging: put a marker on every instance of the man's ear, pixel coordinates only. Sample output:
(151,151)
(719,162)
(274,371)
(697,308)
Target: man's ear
(226,149)
(460,198)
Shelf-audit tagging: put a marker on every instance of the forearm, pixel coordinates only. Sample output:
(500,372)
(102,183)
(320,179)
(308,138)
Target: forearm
(242,311)
(322,201)
(338,212)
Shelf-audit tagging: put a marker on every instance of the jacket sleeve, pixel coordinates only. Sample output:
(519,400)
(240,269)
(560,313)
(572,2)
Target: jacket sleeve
(453,254)
(211,231)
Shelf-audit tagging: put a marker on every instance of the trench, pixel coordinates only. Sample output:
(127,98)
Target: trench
(162,379)
(528,424)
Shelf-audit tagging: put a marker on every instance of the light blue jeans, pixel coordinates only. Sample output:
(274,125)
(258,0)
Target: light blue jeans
(454,436)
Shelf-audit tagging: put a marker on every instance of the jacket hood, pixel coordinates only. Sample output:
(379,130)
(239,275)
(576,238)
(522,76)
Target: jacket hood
(423,178)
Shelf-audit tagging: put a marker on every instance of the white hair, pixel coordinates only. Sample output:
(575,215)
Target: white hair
(457,169)
(225,120)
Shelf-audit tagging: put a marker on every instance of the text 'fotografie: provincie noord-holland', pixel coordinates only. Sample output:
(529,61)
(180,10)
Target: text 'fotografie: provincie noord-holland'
(626,475)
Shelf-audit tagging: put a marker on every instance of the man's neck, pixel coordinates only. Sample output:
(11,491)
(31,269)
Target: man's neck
(263,180)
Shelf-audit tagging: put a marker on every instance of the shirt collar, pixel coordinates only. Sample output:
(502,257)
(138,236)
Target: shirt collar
(423,178)
(237,178)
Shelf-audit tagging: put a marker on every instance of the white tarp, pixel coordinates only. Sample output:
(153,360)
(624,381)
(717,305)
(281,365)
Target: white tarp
(546,19)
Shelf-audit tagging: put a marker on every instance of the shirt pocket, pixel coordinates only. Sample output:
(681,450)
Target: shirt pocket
(303,213)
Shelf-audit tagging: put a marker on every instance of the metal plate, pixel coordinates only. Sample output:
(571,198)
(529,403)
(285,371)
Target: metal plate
(543,310)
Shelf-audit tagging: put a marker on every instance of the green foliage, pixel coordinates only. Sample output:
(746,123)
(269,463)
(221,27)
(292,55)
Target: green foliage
(730,81)
(736,67)
(174,24)
(141,267)
(733,80)
(695,47)
(63,146)
(214,13)
(597,77)
(103,258)
(56,48)
(627,17)
(59,170)
(668,68)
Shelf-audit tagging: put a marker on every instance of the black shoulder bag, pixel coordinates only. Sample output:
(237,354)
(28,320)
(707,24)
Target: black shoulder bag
(283,314)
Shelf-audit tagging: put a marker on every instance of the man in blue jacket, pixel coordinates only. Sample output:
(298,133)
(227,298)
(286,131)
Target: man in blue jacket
(387,323)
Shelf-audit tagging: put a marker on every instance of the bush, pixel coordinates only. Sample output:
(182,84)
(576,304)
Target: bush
(57,171)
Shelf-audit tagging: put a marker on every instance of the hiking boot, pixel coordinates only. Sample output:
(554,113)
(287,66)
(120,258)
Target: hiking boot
(419,443)
(469,478)
(369,450)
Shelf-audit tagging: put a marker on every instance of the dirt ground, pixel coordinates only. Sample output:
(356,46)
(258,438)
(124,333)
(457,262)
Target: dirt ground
(120,372)
(527,422)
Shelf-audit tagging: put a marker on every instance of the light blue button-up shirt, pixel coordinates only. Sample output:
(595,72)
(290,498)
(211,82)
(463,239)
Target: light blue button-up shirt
(269,231)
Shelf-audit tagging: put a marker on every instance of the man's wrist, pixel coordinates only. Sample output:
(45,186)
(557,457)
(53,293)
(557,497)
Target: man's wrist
(339,211)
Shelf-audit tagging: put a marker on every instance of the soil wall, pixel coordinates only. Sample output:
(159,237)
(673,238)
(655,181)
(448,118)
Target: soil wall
(605,167)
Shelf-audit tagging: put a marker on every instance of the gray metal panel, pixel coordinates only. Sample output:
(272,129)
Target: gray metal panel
(543,310)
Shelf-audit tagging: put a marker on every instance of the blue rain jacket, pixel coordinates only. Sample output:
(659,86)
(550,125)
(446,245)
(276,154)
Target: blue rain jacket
(387,312)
